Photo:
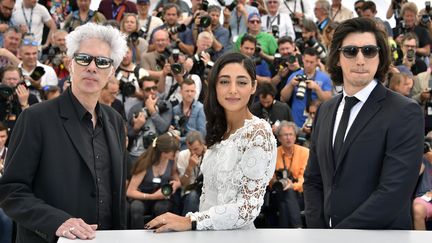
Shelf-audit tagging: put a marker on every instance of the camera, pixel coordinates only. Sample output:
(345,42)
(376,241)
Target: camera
(302,86)
(197,57)
(167,189)
(148,138)
(204,5)
(411,55)
(282,177)
(180,124)
(176,29)
(230,7)
(312,42)
(295,20)
(197,185)
(176,67)
(142,32)
(401,28)
(254,3)
(54,56)
(6,92)
(275,31)
(205,21)
(126,87)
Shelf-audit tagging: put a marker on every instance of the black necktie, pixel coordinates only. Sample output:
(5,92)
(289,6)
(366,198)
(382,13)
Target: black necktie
(343,124)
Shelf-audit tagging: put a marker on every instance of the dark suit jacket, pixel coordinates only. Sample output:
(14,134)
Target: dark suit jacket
(48,177)
(372,184)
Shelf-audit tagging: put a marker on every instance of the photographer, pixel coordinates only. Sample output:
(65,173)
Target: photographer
(160,41)
(188,114)
(306,85)
(422,204)
(297,10)
(288,63)
(408,57)
(311,39)
(37,73)
(130,27)
(248,47)
(275,23)
(147,23)
(147,119)
(287,183)
(268,108)
(409,15)
(54,54)
(395,9)
(238,17)
(188,165)
(220,36)
(128,73)
(82,16)
(180,35)
(15,96)
(175,70)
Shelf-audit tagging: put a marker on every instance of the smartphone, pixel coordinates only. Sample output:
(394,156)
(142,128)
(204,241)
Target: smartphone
(37,73)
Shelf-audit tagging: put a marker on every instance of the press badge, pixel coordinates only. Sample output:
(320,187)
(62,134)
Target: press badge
(429,110)
(157,180)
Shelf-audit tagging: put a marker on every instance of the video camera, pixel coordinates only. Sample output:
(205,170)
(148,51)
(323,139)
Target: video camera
(282,177)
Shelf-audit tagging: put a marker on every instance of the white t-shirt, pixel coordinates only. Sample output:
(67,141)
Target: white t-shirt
(175,95)
(282,20)
(49,78)
(154,23)
(33,18)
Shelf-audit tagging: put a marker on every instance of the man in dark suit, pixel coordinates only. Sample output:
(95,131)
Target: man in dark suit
(367,143)
(64,174)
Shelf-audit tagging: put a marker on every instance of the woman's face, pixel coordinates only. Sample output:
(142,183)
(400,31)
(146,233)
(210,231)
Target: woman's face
(234,87)
(130,24)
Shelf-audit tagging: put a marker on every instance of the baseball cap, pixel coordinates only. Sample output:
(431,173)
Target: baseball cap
(142,1)
(253,16)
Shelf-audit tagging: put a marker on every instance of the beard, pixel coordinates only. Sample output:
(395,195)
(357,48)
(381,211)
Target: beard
(3,18)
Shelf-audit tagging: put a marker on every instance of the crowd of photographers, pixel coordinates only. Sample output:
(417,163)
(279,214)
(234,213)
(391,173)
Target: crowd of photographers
(161,83)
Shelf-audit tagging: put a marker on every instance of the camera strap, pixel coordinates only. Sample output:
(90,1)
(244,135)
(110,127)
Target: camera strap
(28,22)
(295,6)
(283,161)
(270,21)
(147,27)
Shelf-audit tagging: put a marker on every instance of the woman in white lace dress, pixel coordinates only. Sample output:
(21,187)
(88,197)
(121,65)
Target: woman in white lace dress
(241,157)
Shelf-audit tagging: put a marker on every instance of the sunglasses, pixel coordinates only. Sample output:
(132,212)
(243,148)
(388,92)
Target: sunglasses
(148,89)
(368,51)
(28,42)
(255,22)
(85,60)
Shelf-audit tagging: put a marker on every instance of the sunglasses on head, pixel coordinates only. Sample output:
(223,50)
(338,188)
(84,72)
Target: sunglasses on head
(368,51)
(148,89)
(28,42)
(255,21)
(85,60)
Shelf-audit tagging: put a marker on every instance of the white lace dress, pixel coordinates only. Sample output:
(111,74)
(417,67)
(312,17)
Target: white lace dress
(236,173)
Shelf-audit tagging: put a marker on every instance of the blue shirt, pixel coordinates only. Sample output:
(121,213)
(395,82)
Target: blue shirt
(298,106)
(263,69)
(195,122)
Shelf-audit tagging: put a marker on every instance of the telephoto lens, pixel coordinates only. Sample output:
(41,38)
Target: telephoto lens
(167,189)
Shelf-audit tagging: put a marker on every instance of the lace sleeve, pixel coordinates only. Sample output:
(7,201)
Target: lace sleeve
(250,176)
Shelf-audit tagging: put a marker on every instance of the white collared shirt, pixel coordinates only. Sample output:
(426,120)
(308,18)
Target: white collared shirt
(362,96)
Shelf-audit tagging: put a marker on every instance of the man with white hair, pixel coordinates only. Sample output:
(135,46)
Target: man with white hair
(64,171)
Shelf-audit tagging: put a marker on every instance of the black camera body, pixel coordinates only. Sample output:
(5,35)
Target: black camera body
(197,185)
(167,189)
(176,67)
(275,31)
(282,177)
(427,145)
(126,87)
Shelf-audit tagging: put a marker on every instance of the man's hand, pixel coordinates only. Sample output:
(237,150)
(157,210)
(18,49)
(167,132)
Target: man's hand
(294,82)
(76,228)
(289,185)
(150,104)
(166,69)
(138,121)
(3,27)
(311,84)
(283,72)
(23,95)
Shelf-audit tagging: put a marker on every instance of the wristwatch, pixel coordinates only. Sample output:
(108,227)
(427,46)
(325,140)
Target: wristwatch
(193,221)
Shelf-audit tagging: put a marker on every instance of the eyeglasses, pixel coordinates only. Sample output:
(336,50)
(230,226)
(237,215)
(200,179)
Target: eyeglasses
(272,2)
(368,51)
(85,60)
(148,89)
(28,42)
(255,22)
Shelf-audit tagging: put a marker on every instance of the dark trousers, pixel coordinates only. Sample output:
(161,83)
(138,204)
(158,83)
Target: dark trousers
(142,211)
(287,203)
(191,202)
(5,228)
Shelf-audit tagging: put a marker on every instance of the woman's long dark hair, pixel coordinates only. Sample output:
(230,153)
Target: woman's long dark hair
(164,143)
(215,114)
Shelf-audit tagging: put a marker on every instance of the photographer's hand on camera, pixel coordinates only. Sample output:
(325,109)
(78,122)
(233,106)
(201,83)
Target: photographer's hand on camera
(289,185)
(138,121)
(176,184)
(23,95)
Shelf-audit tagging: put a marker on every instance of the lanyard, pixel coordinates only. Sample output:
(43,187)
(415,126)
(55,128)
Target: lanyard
(334,16)
(29,23)
(289,9)
(238,23)
(270,21)
(115,10)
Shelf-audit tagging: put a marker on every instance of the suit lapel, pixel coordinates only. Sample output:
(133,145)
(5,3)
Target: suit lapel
(71,125)
(369,109)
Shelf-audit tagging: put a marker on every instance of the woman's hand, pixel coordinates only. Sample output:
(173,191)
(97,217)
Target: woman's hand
(169,222)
